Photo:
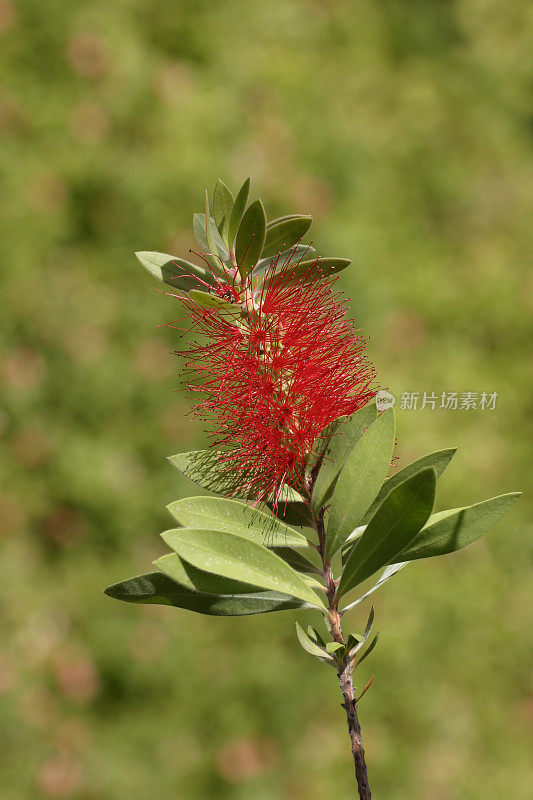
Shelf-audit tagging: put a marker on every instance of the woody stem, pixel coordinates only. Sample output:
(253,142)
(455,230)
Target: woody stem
(345,670)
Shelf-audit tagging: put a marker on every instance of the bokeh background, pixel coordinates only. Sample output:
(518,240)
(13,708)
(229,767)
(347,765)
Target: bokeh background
(405,128)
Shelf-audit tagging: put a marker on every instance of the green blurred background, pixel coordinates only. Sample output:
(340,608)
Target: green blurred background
(405,128)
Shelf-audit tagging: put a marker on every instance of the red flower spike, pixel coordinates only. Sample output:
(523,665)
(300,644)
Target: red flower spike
(273,378)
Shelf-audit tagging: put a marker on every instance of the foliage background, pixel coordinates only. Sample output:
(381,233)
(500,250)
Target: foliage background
(406,129)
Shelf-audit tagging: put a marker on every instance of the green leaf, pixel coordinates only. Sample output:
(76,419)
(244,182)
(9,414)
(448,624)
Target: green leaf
(451,530)
(158,589)
(297,561)
(210,226)
(359,641)
(395,524)
(284,233)
(274,222)
(334,647)
(293,512)
(201,467)
(284,259)
(360,480)
(315,636)
(234,517)
(353,641)
(312,647)
(241,559)
(350,542)
(320,445)
(387,573)
(176,272)
(369,623)
(204,469)
(222,206)
(344,435)
(439,461)
(213,301)
(237,211)
(291,508)
(250,237)
(199,581)
(217,248)
(369,649)
(288,494)
(321,266)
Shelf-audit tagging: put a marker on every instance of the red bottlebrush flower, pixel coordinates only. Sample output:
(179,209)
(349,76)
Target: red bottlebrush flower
(273,376)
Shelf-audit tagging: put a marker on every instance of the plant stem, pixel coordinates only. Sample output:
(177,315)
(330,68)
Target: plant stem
(354,732)
(345,671)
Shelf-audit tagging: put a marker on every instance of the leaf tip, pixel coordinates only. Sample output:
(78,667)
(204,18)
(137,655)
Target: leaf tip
(140,255)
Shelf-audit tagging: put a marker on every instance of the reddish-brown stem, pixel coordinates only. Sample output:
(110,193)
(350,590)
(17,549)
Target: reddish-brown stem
(345,670)
(354,731)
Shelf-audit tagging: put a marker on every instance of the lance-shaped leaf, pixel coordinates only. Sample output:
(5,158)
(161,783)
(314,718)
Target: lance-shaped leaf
(230,310)
(284,259)
(387,573)
(322,266)
(294,513)
(241,559)
(350,543)
(278,220)
(312,647)
(238,210)
(369,649)
(176,272)
(333,451)
(315,636)
(321,443)
(198,580)
(284,233)
(235,517)
(291,508)
(354,642)
(439,461)
(451,530)
(395,524)
(334,648)
(210,227)
(208,469)
(216,243)
(250,237)
(157,589)
(288,494)
(222,206)
(202,468)
(369,623)
(297,561)
(360,480)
